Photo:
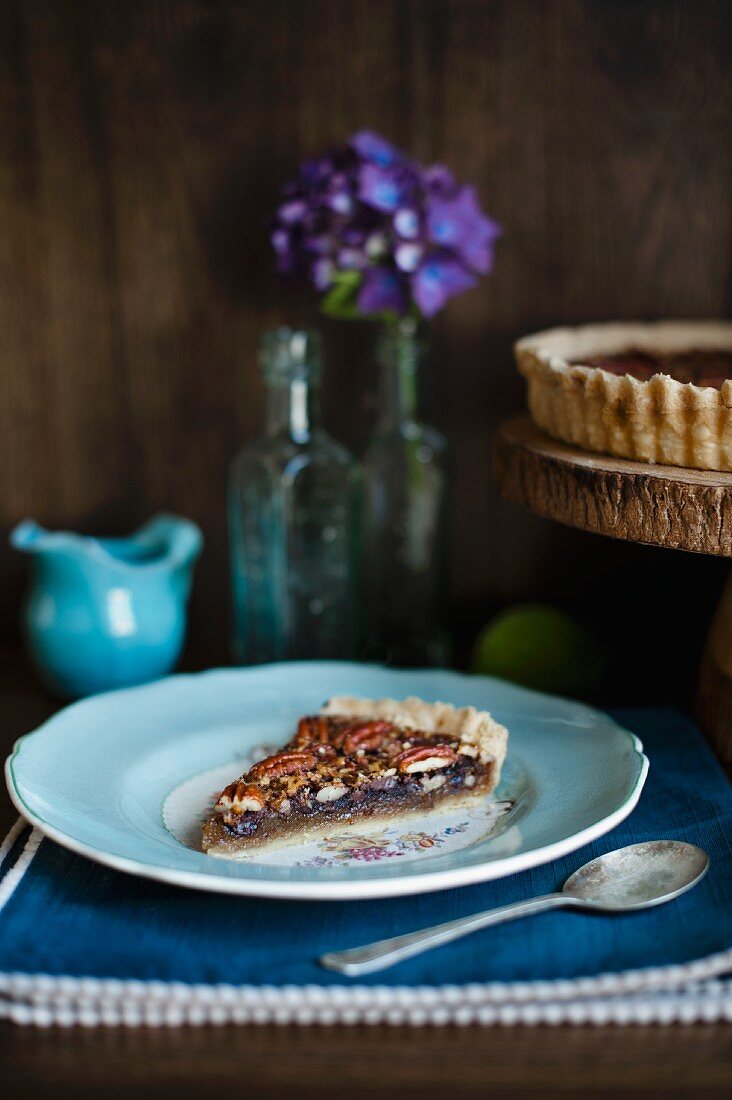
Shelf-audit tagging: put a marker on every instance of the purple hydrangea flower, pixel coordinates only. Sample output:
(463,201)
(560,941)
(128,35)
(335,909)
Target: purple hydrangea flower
(458,223)
(438,179)
(408,255)
(407,223)
(386,189)
(322,273)
(382,291)
(439,277)
(376,149)
(395,236)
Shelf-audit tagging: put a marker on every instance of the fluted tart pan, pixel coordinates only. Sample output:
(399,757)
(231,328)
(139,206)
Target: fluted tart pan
(655,419)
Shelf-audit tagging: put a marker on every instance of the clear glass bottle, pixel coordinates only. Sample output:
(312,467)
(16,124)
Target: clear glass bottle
(405,482)
(294,520)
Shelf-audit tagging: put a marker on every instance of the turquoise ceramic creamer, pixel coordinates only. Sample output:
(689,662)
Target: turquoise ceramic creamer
(104,613)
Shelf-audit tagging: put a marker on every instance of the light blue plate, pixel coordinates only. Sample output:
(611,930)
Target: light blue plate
(125,779)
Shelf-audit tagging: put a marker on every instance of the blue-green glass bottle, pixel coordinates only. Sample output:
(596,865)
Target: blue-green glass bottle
(294,502)
(405,501)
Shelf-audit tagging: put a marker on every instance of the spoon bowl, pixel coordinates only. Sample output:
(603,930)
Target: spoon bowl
(627,879)
(638,876)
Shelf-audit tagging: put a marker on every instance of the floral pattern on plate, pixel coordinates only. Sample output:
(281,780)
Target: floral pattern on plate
(367,848)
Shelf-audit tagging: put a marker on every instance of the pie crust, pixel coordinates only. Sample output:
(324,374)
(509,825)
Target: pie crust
(357,760)
(660,420)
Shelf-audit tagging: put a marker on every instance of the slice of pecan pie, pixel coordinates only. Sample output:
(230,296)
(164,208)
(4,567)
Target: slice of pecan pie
(359,759)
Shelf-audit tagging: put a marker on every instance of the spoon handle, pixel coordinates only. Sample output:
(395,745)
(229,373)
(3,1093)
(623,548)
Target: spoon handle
(383,953)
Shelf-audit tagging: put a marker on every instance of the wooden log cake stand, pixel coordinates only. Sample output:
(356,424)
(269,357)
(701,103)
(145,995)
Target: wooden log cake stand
(658,505)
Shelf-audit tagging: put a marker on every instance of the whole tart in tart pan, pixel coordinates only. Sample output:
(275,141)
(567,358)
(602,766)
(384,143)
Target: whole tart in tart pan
(654,392)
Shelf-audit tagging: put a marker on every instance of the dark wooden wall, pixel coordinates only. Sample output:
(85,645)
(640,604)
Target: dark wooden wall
(141,148)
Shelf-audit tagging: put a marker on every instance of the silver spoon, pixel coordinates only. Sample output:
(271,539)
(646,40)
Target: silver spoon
(627,879)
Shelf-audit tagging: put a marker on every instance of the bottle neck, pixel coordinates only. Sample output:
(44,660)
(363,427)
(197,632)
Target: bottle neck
(290,362)
(399,352)
(292,408)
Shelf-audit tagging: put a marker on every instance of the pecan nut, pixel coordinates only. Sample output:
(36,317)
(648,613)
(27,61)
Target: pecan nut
(365,736)
(324,754)
(240,798)
(282,763)
(247,797)
(331,792)
(425,758)
(224,801)
(312,730)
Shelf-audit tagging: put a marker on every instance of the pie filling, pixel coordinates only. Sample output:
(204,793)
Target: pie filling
(702,368)
(339,769)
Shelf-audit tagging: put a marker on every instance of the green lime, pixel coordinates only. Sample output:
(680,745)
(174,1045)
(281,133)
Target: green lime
(541,647)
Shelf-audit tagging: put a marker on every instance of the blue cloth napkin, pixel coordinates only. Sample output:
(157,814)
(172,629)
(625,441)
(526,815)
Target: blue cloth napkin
(69,916)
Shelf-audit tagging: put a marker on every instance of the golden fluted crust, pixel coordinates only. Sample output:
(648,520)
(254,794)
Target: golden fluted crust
(661,420)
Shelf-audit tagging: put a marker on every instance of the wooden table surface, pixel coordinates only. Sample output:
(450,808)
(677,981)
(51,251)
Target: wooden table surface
(361,1061)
